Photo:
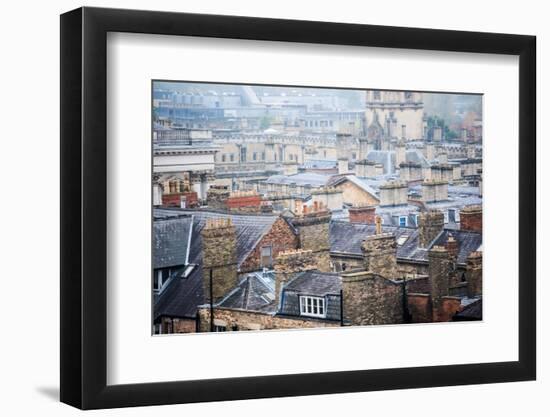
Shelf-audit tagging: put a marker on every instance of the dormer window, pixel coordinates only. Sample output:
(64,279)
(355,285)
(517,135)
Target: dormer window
(312,306)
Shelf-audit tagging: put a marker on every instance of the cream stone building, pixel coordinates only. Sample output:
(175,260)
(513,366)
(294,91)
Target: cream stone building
(400,112)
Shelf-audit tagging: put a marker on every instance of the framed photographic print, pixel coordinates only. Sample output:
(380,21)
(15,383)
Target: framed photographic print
(257,208)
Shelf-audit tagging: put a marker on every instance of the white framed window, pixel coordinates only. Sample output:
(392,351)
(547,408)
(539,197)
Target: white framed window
(446,216)
(312,306)
(402,221)
(220,328)
(157,328)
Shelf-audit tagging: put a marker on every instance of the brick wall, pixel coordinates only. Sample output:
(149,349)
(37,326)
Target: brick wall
(471,218)
(365,214)
(248,203)
(420,307)
(174,200)
(280,238)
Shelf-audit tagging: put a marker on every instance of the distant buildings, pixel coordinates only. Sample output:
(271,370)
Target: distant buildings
(282,209)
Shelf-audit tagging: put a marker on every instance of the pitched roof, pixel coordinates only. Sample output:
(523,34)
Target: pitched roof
(183,295)
(171,238)
(473,311)
(255,292)
(347,238)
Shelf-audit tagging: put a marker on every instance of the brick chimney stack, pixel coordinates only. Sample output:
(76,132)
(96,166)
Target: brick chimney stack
(313,229)
(471,218)
(362,214)
(439,269)
(474,272)
(430,225)
(380,255)
(288,263)
(219,254)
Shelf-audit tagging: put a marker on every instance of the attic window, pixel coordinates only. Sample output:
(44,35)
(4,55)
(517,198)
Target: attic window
(312,306)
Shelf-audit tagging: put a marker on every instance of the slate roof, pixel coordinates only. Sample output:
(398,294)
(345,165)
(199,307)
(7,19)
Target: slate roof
(304,178)
(471,312)
(346,238)
(171,241)
(183,295)
(255,292)
(313,283)
(387,159)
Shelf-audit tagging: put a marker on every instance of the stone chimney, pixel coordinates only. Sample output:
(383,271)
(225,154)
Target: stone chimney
(430,151)
(380,255)
(430,225)
(410,171)
(437,134)
(288,263)
(365,168)
(216,197)
(362,214)
(313,229)
(290,168)
(343,166)
(474,274)
(471,218)
(219,254)
(369,299)
(452,247)
(400,153)
(439,269)
(393,193)
(435,190)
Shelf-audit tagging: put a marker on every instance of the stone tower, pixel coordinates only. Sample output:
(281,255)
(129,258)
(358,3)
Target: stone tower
(405,107)
(219,254)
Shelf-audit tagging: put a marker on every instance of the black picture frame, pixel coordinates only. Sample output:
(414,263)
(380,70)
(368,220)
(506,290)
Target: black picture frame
(84,207)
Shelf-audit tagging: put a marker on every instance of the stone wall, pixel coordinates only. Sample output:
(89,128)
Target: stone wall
(178,325)
(474,274)
(439,271)
(238,320)
(219,254)
(371,299)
